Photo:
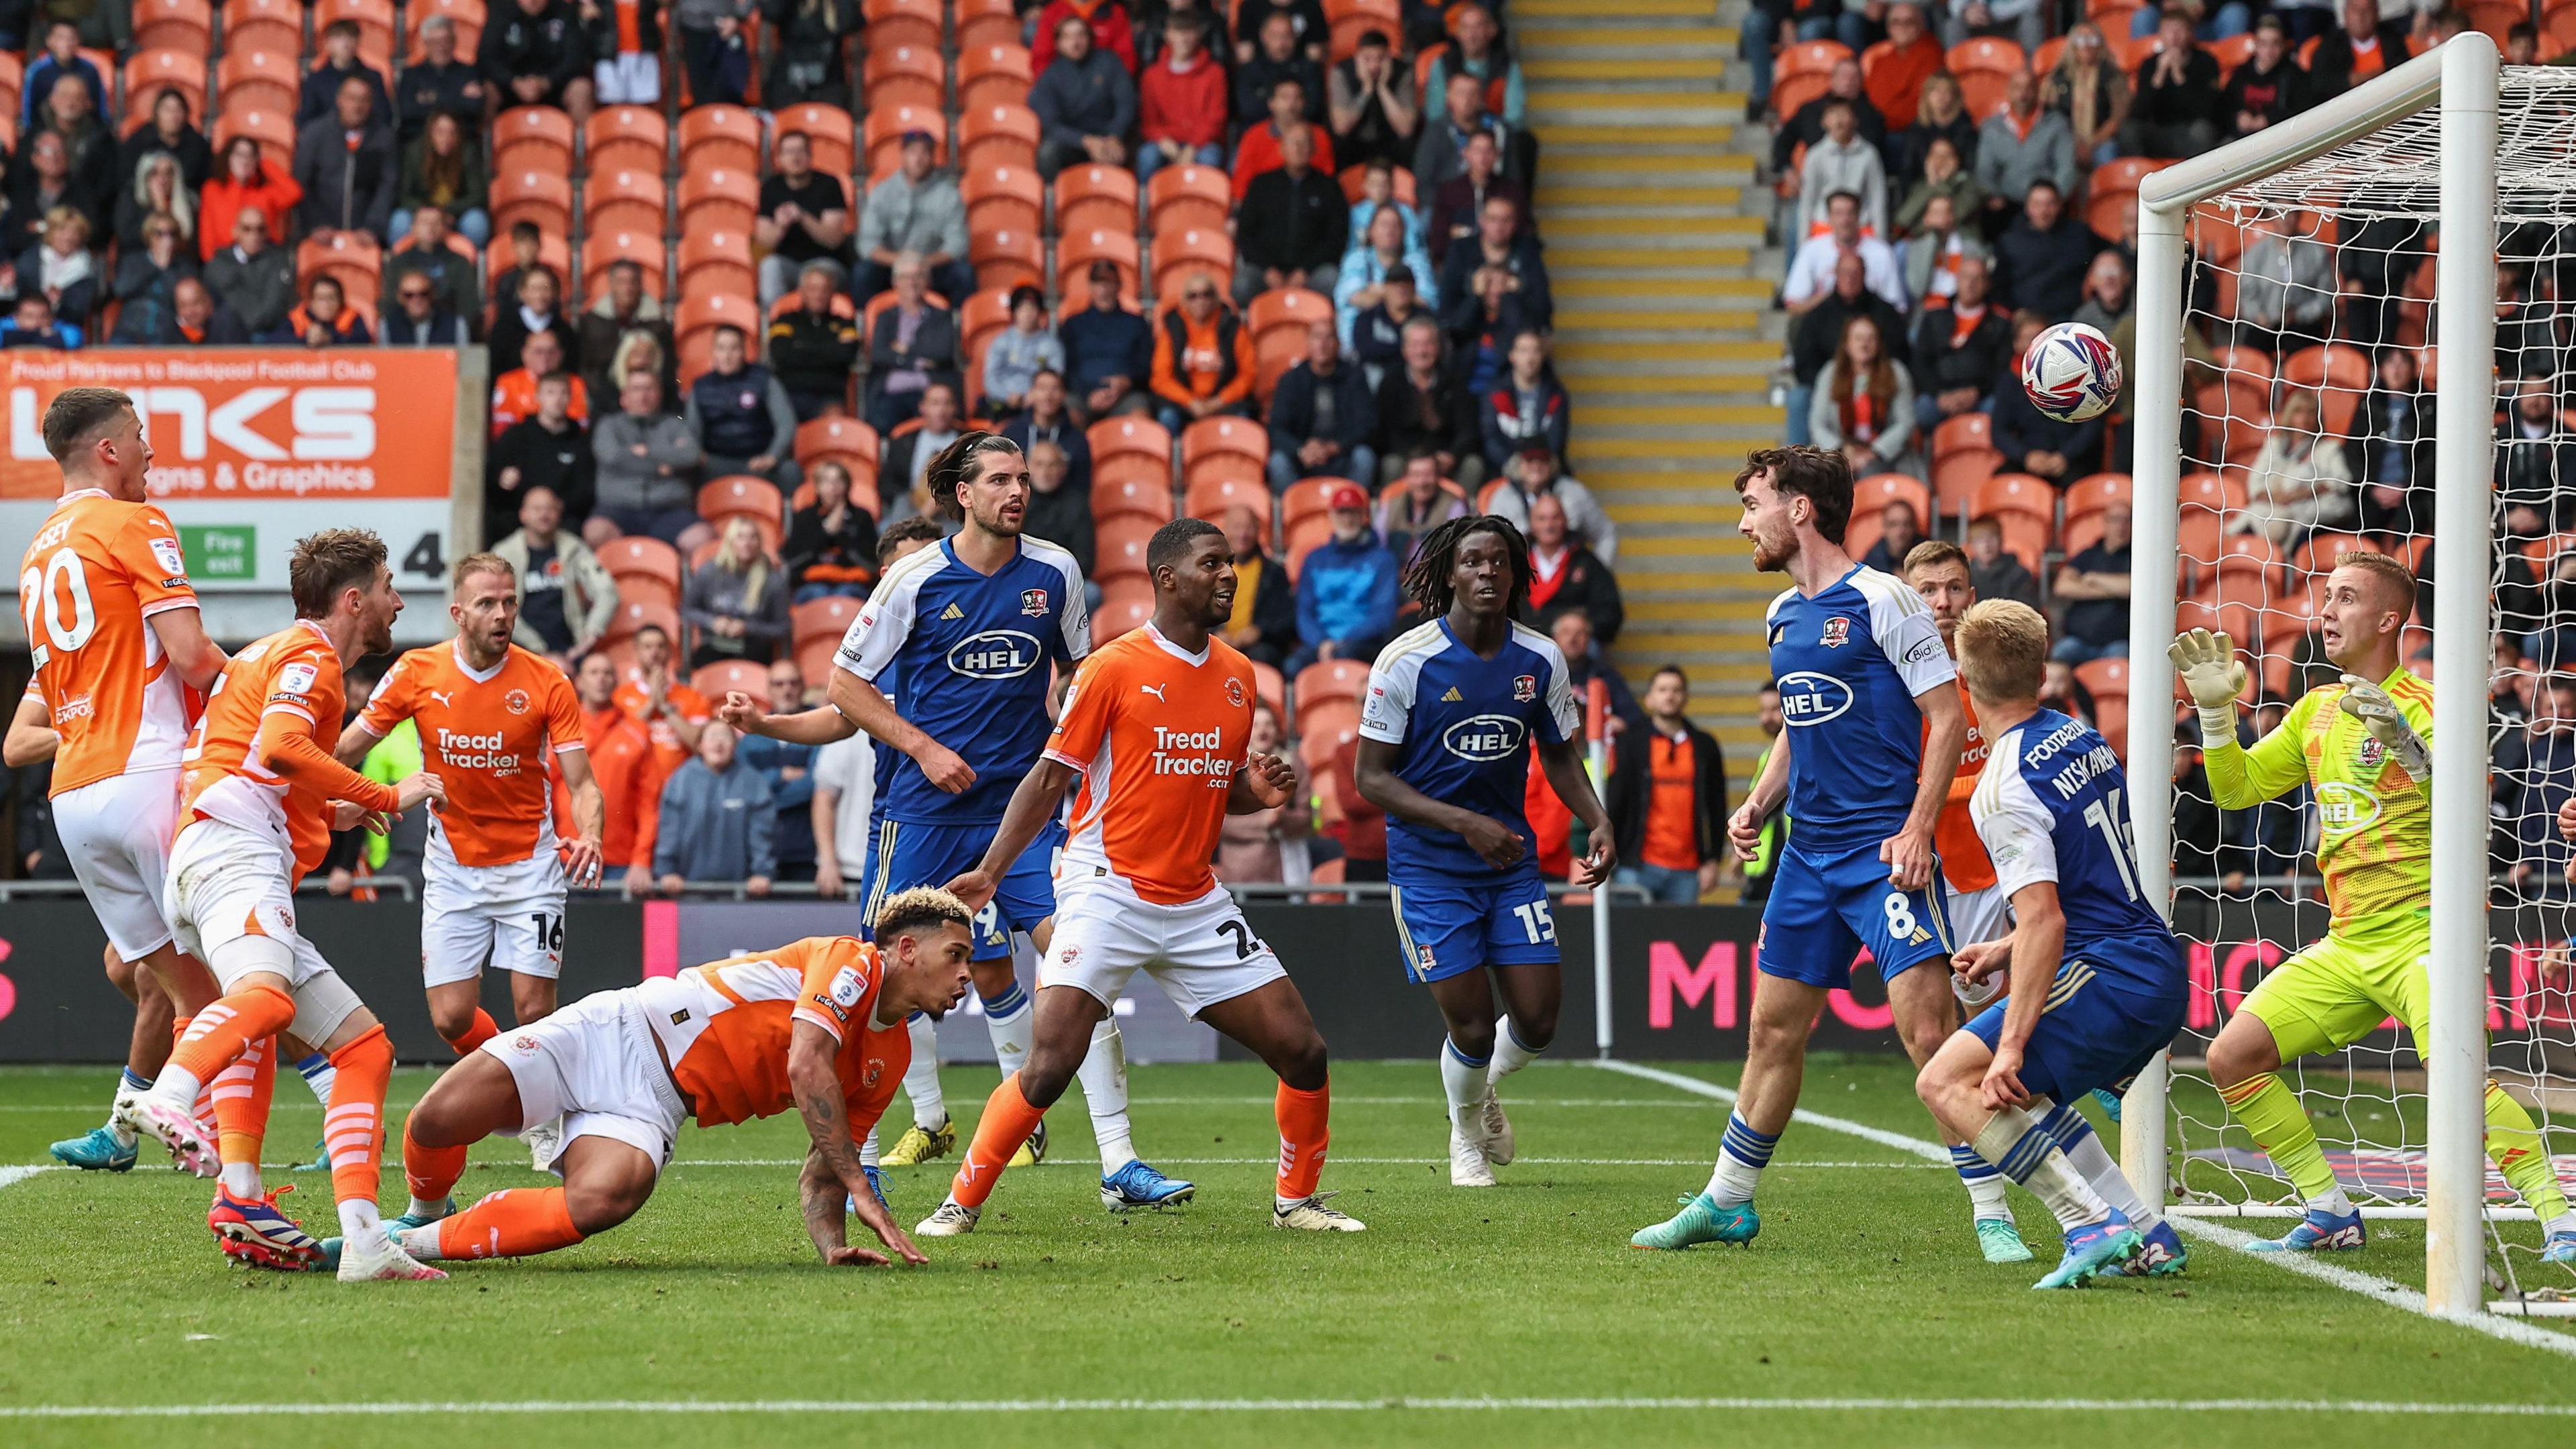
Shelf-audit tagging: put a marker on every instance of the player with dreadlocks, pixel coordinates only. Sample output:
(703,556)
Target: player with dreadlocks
(968,629)
(1454,708)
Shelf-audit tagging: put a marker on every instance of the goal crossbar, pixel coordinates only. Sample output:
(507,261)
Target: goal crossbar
(2460,78)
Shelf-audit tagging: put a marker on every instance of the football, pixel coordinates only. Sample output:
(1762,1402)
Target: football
(2071,372)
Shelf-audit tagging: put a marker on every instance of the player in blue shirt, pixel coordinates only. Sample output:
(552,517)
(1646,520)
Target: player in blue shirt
(1453,710)
(972,626)
(2098,980)
(1869,695)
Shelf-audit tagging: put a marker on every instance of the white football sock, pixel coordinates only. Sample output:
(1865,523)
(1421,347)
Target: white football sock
(1509,1055)
(2085,1153)
(359,1224)
(419,1209)
(1007,1018)
(868,1149)
(1103,1075)
(2013,1140)
(1986,1186)
(128,1088)
(1462,1081)
(241,1179)
(177,1086)
(2333,1200)
(921,1079)
(1740,1160)
(2563,1223)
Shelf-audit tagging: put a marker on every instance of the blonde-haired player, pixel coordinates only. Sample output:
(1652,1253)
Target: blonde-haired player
(490,715)
(116,639)
(262,796)
(2364,744)
(817,1025)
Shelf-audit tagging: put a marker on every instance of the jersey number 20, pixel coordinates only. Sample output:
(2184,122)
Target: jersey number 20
(37,589)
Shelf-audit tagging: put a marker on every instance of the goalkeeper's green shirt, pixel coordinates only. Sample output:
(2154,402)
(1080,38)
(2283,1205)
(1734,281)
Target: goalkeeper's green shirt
(2375,825)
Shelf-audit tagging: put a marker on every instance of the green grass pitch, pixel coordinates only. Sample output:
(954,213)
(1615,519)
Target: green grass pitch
(1862,1315)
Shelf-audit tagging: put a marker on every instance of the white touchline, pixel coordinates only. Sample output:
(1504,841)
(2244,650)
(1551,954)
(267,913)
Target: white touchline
(2376,1289)
(1297,1406)
(9,1175)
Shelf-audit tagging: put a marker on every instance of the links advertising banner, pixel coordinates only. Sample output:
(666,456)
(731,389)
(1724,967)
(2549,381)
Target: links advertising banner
(254,448)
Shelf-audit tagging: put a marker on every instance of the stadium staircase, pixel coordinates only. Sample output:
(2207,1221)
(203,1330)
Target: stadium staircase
(1653,218)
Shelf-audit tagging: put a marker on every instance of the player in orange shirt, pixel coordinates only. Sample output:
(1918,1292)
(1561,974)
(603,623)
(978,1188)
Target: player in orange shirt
(621,760)
(261,797)
(1155,727)
(116,640)
(816,1025)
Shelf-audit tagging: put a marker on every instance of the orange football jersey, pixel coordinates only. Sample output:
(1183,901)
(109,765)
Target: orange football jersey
(286,684)
(485,735)
(1158,735)
(725,1027)
(97,570)
(667,749)
(1964,863)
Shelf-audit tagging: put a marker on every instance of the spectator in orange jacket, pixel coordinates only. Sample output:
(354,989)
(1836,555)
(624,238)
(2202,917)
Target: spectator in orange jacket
(621,759)
(1202,357)
(1895,80)
(247,179)
(1258,151)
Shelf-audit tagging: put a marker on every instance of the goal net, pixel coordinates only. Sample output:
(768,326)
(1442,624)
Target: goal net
(2327,403)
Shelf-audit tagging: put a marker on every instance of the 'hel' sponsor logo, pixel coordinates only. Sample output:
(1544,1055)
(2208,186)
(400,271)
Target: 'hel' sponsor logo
(1484,737)
(994,654)
(1837,632)
(1234,692)
(516,701)
(2343,807)
(1808,698)
(1033,602)
(1524,687)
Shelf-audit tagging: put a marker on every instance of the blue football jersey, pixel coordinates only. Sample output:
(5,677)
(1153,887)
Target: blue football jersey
(1849,663)
(972,653)
(2051,806)
(1464,726)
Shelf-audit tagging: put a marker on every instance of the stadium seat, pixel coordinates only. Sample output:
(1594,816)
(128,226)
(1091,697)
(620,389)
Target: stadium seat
(1112,619)
(1119,546)
(1872,494)
(1959,474)
(1351,19)
(1129,434)
(186,26)
(1186,198)
(1800,73)
(833,135)
(1075,253)
(1983,66)
(2108,682)
(1211,496)
(1279,319)
(718,198)
(551,252)
(272,128)
(2132,51)
(640,562)
(727,675)
(1004,198)
(1301,538)
(468,16)
(271,27)
(2235,50)
(635,201)
(826,618)
(978,319)
(151,72)
(717,261)
(1126,590)
(626,138)
(1485,493)
(744,496)
(631,618)
(529,194)
(350,258)
(1095,198)
(886,126)
(2114,186)
(2016,493)
(694,328)
(998,135)
(987,22)
(601,250)
(847,441)
(993,75)
(1208,439)
(1179,254)
(13,77)
(533,138)
(2340,375)
(2086,499)
(1355,184)
(375,22)
(1129,484)
(1007,259)
(905,75)
(903,22)
(257,80)
(2255,554)
(1305,499)
(1967,430)
(1322,730)
(720,138)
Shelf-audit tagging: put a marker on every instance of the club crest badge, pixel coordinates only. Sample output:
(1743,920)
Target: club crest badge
(516,701)
(1525,687)
(2373,753)
(1234,692)
(1033,603)
(1837,632)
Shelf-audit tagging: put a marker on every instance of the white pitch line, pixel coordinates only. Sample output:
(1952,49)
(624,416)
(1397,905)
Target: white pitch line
(1630,1103)
(9,1175)
(2376,1289)
(2407,1407)
(1375,1162)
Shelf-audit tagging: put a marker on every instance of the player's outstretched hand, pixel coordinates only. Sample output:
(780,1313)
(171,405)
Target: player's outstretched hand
(2002,1087)
(899,1243)
(973,889)
(1596,865)
(1908,854)
(1271,779)
(2379,714)
(1497,844)
(1979,960)
(739,710)
(940,765)
(414,789)
(2208,667)
(582,861)
(854,1257)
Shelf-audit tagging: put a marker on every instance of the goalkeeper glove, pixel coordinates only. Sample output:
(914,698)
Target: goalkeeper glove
(2207,665)
(2379,714)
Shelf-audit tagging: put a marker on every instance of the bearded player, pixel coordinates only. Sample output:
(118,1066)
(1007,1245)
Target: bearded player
(2364,744)
(262,795)
(115,636)
(1155,727)
(493,882)
(816,1025)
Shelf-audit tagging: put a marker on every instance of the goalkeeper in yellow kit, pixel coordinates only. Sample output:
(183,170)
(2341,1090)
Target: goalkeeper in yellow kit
(2364,746)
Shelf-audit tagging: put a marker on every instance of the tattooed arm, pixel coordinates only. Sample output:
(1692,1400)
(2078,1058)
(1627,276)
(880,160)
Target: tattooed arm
(832,1166)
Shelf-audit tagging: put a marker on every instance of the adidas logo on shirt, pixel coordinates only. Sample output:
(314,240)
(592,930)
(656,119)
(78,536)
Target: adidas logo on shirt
(952,612)
(1452,697)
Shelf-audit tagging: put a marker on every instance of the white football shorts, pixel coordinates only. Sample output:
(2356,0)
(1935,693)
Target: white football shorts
(1201,952)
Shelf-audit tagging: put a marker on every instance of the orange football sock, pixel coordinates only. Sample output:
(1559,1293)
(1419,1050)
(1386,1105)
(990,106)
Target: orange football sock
(483,1030)
(222,1031)
(1305,1130)
(519,1223)
(1007,1122)
(430,1172)
(241,1104)
(353,1126)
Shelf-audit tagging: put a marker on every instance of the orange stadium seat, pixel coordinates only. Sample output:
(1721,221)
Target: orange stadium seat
(1875,492)
(350,258)
(2086,500)
(1800,73)
(727,675)
(1331,679)
(887,125)
(1211,496)
(698,318)
(1004,198)
(151,72)
(1128,484)
(905,75)
(1189,197)
(187,26)
(551,252)
(1120,541)
(717,261)
(275,27)
(1110,437)
(1355,184)
(745,496)
(2108,682)
(1983,65)
(833,134)
(636,201)
(532,138)
(1178,254)
(2114,186)
(2016,493)
(903,22)
(1959,473)
(468,16)
(1076,251)
(375,22)
(1303,537)
(998,135)
(1279,319)
(826,618)
(987,22)
(1208,439)
(529,194)
(634,615)
(601,250)
(718,199)
(1323,730)
(257,80)
(1112,619)
(1271,688)
(1007,258)
(1095,198)
(626,138)
(643,566)
(719,138)
(273,129)
(993,75)
(2340,375)
(848,442)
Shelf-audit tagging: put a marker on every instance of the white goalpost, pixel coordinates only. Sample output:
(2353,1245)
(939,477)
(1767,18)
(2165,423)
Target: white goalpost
(2418,155)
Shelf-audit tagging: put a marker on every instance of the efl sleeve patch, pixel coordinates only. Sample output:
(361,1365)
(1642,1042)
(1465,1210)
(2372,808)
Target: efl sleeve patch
(296,679)
(165,552)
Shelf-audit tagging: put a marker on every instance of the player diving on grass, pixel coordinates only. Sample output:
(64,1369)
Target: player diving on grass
(2098,980)
(1155,726)
(1453,709)
(816,1025)
(490,716)
(970,627)
(1870,697)
(2364,744)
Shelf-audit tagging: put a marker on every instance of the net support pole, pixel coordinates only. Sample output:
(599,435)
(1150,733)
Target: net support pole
(2156,564)
(1596,729)
(2464,450)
